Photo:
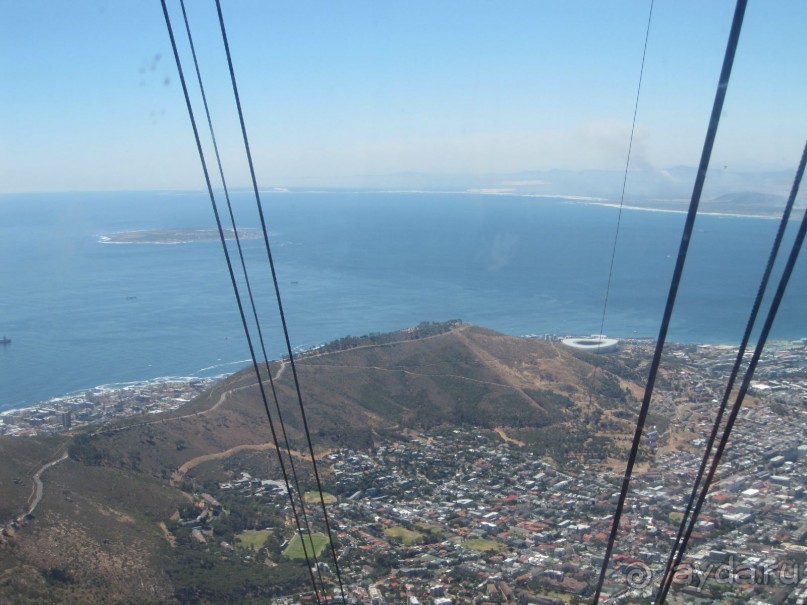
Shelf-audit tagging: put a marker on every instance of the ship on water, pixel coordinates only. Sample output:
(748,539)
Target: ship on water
(5,341)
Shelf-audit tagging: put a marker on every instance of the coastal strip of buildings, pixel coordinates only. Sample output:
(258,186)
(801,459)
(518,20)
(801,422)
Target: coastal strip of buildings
(100,405)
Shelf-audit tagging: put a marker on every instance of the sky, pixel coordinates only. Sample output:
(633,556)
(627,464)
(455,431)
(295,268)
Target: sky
(336,91)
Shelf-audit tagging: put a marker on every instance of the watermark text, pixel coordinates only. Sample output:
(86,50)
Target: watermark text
(731,571)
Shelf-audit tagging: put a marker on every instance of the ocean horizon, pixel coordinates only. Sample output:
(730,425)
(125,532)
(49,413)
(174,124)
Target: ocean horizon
(83,313)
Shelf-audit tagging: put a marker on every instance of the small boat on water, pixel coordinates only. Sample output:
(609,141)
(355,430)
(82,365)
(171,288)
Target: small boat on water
(5,341)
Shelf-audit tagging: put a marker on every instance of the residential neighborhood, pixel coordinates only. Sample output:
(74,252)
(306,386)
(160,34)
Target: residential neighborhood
(466,515)
(470,516)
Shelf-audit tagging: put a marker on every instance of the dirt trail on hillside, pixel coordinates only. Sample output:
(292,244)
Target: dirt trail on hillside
(500,431)
(505,373)
(38,487)
(258,447)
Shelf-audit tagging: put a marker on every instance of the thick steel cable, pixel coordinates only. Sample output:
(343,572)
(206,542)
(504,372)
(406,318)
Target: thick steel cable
(232,276)
(261,341)
(625,177)
(279,300)
(711,133)
(679,547)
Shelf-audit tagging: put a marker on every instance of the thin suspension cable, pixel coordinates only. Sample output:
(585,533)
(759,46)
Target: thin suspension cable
(306,522)
(677,554)
(279,301)
(232,274)
(625,177)
(689,224)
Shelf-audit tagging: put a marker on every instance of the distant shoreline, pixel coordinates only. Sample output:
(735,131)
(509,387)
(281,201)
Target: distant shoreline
(673,211)
(582,200)
(595,201)
(173,236)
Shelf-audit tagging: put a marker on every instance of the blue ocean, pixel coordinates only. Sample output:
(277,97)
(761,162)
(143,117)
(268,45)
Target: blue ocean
(82,313)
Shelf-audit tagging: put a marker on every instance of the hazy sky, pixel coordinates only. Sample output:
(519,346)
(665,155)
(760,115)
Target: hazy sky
(92,101)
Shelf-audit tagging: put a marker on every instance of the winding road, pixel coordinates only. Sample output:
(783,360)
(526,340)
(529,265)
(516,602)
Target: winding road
(38,487)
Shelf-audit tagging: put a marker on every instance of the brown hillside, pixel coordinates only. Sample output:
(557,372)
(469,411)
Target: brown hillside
(102,520)
(467,376)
